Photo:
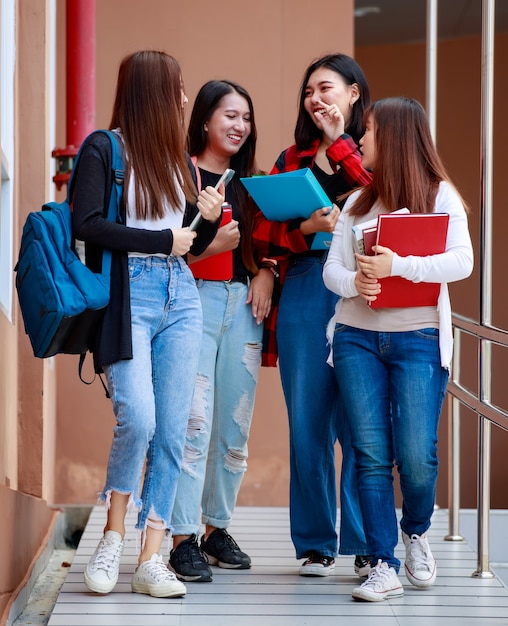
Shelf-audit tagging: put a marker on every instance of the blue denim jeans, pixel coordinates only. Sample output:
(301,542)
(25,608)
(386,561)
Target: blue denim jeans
(315,418)
(215,457)
(152,392)
(393,388)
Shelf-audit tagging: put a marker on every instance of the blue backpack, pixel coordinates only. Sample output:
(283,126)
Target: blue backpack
(62,301)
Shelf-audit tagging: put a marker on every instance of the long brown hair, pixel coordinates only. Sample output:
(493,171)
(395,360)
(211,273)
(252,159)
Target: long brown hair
(408,169)
(148,112)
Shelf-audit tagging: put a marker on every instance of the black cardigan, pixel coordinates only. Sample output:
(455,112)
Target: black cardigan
(92,187)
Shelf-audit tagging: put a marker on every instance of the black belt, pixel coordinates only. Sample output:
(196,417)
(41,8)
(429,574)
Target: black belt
(239,279)
(235,279)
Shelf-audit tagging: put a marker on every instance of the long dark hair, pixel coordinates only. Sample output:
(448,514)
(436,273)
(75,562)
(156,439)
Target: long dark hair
(243,162)
(408,169)
(148,111)
(306,131)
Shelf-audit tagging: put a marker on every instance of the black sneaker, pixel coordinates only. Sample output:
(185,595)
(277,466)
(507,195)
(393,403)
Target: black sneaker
(317,565)
(189,563)
(362,565)
(222,550)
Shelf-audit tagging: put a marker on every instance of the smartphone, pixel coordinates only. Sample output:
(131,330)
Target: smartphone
(225,178)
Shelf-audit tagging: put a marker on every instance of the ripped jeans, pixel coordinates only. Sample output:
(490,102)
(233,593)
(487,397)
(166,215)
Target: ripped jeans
(215,455)
(152,392)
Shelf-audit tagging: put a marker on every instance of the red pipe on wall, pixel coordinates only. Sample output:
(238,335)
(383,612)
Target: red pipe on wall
(80,28)
(80,81)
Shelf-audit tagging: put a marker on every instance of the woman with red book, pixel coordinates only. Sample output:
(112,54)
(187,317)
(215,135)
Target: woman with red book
(221,135)
(392,364)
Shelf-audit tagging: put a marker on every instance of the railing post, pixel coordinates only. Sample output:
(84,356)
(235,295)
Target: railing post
(484,436)
(454,447)
(486,147)
(453,471)
(432,65)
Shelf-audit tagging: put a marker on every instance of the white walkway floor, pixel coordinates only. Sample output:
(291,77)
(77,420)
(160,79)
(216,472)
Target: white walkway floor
(272,594)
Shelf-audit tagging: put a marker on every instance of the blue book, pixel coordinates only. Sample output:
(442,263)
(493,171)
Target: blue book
(289,195)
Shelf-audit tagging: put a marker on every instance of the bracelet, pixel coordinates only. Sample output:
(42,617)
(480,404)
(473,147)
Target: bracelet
(271,267)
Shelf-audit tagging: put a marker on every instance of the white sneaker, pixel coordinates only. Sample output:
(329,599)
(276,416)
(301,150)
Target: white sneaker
(153,578)
(101,573)
(381,584)
(420,565)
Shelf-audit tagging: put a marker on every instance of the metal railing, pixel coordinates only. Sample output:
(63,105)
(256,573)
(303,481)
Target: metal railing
(484,333)
(488,414)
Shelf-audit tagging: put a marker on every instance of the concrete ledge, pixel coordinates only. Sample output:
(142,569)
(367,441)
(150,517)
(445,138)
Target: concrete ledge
(64,533)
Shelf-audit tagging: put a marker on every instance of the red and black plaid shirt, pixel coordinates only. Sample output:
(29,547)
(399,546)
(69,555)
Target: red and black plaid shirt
(279,240)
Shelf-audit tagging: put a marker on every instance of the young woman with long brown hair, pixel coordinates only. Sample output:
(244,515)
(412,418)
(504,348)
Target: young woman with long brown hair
(392,364)
(149,340)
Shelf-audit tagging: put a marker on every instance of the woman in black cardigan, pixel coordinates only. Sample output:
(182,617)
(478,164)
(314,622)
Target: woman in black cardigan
(148,345)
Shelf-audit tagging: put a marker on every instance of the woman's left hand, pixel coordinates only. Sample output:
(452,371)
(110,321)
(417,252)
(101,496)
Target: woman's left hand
(321,220)
(332,121)
(210,202)
(378,266)
(260,294)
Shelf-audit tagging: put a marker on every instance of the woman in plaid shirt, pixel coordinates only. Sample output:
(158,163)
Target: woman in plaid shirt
(333,96)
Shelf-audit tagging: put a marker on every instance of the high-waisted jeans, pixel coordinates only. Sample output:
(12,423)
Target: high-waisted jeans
(393,387)
(215,457)
(315,418)
(152,392)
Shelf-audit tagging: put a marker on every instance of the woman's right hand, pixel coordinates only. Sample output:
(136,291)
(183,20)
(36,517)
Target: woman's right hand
(321,221)
(332,121)
(209,203)
(182,241)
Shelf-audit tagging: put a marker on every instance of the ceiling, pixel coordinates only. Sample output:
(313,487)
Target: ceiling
(404,21)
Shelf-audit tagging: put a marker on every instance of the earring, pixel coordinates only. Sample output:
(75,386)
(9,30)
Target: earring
(205,127)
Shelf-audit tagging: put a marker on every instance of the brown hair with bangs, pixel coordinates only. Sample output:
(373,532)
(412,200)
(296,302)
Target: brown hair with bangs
(408,169)
(148,111)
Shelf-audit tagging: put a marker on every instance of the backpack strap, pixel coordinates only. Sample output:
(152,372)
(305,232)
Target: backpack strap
(115,198)
(113,215)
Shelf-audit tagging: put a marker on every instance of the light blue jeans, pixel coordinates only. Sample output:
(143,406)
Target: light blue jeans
(152,392)
(215,456)
(316,419)
(393,388)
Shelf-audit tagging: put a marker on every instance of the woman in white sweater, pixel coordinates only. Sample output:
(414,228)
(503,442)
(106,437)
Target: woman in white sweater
(392,364)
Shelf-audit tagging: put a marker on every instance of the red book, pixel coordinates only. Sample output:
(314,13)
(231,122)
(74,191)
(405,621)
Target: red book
(219,266)
(419,234)
(369,239)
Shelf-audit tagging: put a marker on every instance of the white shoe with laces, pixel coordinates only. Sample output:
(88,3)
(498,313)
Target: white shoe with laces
(381,584)
(420,565)
(101,573)
(155,579)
